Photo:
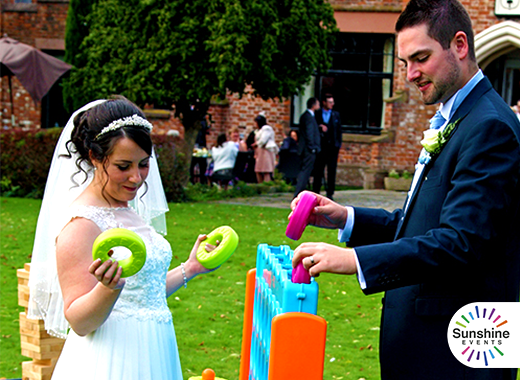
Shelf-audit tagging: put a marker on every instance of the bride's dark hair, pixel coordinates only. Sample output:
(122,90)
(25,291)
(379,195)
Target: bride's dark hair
(88,124)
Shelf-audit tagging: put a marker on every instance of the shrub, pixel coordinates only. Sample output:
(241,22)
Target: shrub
(25,161)
(393,174)
(407,174)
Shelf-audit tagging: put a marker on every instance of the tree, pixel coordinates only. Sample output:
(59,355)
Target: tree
(75,31)
(185,52)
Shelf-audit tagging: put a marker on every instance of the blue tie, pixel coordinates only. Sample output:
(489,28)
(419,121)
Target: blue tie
(437,120)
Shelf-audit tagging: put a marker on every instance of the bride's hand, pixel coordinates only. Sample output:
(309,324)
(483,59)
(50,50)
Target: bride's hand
(210,247)
(108,273)
(193,266)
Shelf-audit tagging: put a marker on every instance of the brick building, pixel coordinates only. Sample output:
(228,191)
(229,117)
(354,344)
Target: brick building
(382,114)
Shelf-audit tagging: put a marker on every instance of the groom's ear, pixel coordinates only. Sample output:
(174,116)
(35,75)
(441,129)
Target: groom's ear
(460,46)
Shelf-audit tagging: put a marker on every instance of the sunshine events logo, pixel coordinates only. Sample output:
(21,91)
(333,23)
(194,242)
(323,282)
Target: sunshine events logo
(486,335)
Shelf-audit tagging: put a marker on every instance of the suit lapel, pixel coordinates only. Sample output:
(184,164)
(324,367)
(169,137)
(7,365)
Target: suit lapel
(410,200)
(460,113)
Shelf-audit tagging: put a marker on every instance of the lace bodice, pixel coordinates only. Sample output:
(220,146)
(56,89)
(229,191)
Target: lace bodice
(144,294)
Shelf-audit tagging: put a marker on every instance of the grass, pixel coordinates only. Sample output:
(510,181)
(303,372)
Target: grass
(208,314)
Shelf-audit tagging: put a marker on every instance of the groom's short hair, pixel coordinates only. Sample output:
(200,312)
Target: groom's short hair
(444,19)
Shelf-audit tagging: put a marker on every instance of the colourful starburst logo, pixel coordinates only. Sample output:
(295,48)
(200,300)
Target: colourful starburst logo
(481,336)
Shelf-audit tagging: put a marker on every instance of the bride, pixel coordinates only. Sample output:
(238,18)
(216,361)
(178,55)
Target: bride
(104,175)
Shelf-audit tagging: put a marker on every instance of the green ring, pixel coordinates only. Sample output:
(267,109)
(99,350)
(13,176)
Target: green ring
(228,244)
(121,237)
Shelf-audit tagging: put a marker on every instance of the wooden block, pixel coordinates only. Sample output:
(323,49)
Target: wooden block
(28,354)
(36,343)
(22,281)
(43,341)
(42,352)
(37,371)
(35,325)
(22,274)
(23,288)
(40,355)
(23,296)
(35,333)
(27,267)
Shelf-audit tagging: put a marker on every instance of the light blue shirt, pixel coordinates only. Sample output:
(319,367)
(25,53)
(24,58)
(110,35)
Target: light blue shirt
(447,110)
(326,115)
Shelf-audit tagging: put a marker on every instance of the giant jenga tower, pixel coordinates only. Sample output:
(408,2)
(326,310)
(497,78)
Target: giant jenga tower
(37,344)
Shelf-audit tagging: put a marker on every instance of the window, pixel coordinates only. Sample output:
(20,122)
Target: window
(360,78)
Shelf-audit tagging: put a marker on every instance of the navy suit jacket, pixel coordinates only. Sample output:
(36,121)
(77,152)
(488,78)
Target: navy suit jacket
(309,134)
(334,131)
(459,242)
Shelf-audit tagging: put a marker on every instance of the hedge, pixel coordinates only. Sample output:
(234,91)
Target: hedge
(26,157)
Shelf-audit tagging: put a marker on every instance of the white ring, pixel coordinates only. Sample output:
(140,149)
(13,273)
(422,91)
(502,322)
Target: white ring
(312,259)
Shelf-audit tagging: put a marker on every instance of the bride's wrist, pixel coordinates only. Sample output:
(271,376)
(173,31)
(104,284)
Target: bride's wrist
(188,272)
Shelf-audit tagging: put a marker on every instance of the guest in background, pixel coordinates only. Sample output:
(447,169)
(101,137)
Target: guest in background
(290,142)
(246,160)
(329,122)
(265,150)
(200,161)
(289,160)
(234,136)
(309,144)
(250,140)
(516,109)
(224,157)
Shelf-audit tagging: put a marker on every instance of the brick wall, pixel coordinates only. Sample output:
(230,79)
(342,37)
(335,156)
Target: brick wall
(39,20)
(40,24)
(27,114)
(242,112)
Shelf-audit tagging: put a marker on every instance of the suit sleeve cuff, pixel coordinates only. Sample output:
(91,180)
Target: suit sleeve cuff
(345,232)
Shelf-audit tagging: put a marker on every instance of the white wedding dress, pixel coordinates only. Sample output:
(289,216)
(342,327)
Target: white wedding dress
(137,341)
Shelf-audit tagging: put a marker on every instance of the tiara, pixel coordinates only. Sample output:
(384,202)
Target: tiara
(120,123)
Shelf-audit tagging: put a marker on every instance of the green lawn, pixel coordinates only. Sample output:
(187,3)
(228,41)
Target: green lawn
(208,314)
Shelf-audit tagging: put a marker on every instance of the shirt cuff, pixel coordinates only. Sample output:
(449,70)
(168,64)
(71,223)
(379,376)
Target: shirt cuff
(360,276)
(345,232)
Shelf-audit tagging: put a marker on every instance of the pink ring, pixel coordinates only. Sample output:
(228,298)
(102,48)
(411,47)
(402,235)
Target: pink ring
(300,275)
(300,216)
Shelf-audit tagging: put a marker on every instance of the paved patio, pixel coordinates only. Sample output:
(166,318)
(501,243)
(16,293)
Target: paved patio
(389,200)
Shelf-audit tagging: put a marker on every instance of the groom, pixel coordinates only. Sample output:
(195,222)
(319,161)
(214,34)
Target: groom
(457,238)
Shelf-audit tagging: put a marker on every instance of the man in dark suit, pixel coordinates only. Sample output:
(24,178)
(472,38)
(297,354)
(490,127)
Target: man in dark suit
(329,122)
(456,239)
(308,145)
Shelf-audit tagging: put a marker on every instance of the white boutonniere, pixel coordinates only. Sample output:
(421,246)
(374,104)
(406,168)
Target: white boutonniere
(434,140)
